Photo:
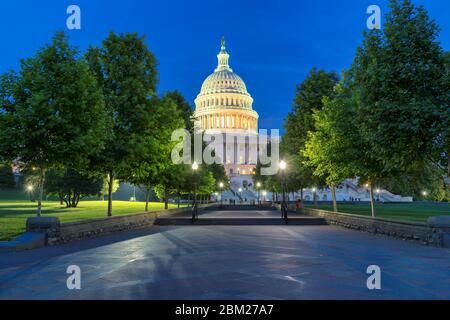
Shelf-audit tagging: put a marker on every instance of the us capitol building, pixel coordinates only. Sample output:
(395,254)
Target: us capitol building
(224,106)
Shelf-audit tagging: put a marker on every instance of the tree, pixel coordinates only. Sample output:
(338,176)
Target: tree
(126,71)
(52,112)
(424,177)
(308,98)
(183,106)
(71,186)
(6,176)
(446,120)
(400,90)
(299,122)
(399,78)
(158,170)
(331,150)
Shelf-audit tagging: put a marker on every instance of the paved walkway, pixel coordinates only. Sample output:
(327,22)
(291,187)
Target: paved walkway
(230,262)
(244,217)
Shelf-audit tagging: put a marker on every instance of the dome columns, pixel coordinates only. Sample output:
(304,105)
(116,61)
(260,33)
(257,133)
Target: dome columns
(229,119)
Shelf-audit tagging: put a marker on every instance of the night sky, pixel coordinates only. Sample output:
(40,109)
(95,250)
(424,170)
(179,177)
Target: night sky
(272,44)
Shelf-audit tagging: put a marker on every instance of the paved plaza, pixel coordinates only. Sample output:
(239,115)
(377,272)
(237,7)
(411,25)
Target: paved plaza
(230,262)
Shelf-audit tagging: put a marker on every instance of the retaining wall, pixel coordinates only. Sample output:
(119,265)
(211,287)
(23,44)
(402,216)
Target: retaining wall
(57,233)
(416,231)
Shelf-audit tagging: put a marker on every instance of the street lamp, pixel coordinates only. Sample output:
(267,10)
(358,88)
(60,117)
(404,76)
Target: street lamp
(258,186)
(283,183)
(314,196)
(29,189)
(378,194)
(194,206)
(221,193)
(264,193)
(424,193)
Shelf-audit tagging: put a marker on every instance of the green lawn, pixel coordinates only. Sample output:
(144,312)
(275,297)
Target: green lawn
(417,211)
(14,212)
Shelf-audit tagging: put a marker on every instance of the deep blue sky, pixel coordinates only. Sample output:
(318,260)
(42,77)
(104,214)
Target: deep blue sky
(273,44)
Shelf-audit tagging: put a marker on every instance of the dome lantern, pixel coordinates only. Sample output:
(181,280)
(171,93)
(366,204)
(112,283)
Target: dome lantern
(223,57)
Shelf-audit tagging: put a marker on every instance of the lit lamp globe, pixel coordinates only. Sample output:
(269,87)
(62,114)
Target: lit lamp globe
(282,165)
(194,166)
(30,188)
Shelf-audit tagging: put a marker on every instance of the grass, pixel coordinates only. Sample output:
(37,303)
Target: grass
(416,211)
(14,212)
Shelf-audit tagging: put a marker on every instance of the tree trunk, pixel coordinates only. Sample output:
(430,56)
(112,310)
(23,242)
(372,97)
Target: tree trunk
(333,195)
(147,196)
(448,164)
(77,200)
(41,190)
(110,187)
(372,201)
(166,201)
(61,198)
(179,199)
(301,194)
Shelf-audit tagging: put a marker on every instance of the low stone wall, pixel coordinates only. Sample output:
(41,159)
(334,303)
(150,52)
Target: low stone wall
(415,231)
(57,233)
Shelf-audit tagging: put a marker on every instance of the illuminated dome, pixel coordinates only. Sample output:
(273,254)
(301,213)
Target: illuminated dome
(223,101)
(223,81)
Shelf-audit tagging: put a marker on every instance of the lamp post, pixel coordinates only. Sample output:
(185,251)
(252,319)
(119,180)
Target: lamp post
(283,182)
(424,193)
(29,189)
(133,198)
(314,196)
(378,194)
(264,193)
(258,186)
(240,193)
(221,194)
(194,206)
